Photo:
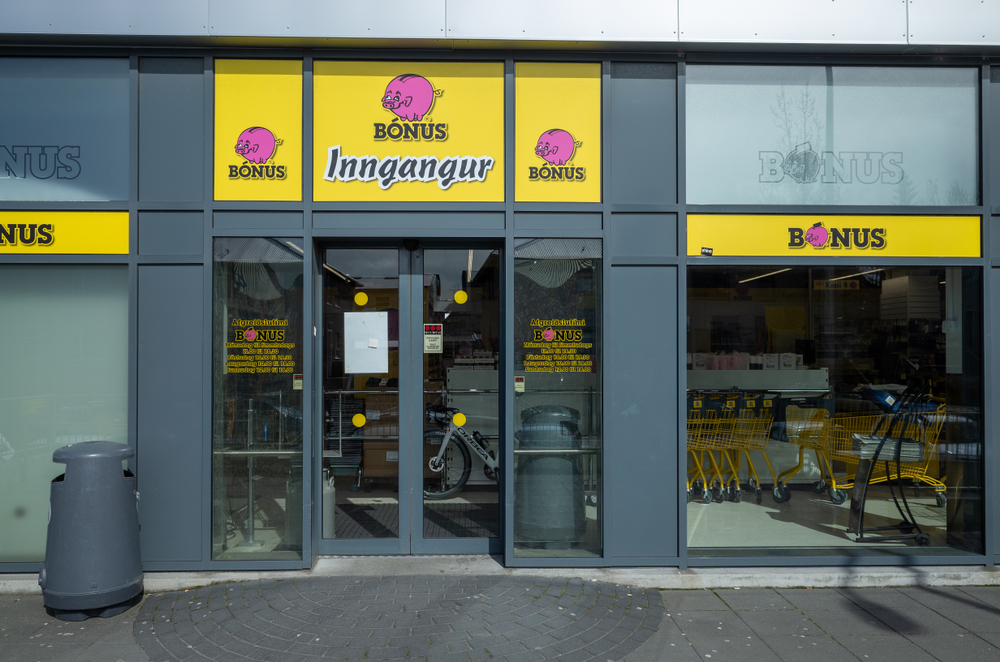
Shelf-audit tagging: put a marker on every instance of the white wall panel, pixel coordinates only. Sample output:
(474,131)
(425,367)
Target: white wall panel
(105,17)
(794,21)
(583,20)
(393,19)
(954,21)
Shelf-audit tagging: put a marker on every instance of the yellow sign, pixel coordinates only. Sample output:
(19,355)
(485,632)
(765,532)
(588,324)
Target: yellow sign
(820,237)
(64,232)
(408,131)
(557,142)
(258,130)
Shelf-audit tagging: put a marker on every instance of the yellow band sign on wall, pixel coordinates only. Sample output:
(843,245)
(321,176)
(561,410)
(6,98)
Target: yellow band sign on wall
(258,130)
(64,232)
(408,131)
(558,132)
(833,236)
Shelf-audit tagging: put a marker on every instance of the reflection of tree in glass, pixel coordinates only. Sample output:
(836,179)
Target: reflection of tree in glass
(956,195)
(800,126)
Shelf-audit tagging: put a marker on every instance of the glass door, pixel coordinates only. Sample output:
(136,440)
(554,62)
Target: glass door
(461,349)
(410,434)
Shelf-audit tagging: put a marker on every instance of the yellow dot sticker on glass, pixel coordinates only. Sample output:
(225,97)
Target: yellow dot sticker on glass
(458,419)
(361,298)
(461,297)
(359,420)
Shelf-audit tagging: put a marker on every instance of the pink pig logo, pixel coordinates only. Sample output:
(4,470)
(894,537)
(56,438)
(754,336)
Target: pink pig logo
(817,235)
(556,146)
(250,334)
(548,334)
(257,144)
(410,97)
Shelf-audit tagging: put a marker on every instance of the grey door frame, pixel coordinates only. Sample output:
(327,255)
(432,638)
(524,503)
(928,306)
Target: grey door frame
(411,399)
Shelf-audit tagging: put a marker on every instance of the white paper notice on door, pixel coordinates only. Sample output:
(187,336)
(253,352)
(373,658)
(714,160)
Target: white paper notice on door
(366,343)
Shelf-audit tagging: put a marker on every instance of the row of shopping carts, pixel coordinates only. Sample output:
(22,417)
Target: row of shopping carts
(723,428)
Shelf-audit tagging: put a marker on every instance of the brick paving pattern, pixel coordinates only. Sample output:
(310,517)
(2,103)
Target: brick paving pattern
(436,618)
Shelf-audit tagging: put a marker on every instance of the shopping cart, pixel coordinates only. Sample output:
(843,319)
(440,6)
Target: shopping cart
(807,427)
(846,428)
(903,436)
(722,429)
(711,421)
(750,433)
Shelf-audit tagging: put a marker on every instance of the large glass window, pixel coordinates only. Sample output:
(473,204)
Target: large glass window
(834,410)
(558,395)
(257,399)
(831,135)
(63,380)
(65,128)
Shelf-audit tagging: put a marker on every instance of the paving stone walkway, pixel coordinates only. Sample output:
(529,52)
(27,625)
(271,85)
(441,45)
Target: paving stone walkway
(513,619)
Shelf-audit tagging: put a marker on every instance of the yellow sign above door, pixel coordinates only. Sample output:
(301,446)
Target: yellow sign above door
(258,130)
(821,237)
(64,232)
(408,131)
(557,143)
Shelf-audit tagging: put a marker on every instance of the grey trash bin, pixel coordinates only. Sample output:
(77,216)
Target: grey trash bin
(549,508)
(92,562)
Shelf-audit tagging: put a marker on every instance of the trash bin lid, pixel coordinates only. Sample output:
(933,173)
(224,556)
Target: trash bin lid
(555,412)
(93,450)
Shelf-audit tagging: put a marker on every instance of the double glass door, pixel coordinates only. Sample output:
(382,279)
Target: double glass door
(410,399)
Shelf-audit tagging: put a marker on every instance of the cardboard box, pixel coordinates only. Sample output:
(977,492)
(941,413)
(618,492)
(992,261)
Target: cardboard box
(700,361)
(787,361)
(772,362)
(381,459)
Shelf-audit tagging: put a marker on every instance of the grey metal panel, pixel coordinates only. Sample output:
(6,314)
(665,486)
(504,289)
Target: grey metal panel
(169,418)
(171,129)
(534,221)
(643,133)
(75,111)
(596,20)
(389,220)
(643,236)
(794,21)
(255,220)
(641,459)
(322,18)
(118,17)
(991,150)
(171,233)
(954,21)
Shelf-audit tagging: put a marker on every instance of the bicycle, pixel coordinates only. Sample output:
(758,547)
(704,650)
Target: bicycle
(454,471)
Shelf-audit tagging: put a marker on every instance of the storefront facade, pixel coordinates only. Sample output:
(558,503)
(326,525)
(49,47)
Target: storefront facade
(668,297)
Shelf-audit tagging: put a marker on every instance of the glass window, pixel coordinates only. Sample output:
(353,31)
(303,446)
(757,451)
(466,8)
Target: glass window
(63,380)
(831,406)
(558,397)
(65,129)
(257,399)
(831,135)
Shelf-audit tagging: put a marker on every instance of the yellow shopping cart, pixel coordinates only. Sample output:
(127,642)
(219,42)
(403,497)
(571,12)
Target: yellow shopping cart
(808,428)
(847,428)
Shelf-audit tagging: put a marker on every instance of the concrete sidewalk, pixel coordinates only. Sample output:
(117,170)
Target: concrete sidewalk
(517,615)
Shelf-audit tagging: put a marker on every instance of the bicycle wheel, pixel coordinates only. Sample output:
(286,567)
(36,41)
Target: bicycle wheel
(452,478)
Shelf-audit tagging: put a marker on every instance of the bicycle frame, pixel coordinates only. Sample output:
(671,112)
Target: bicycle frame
(466,438)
